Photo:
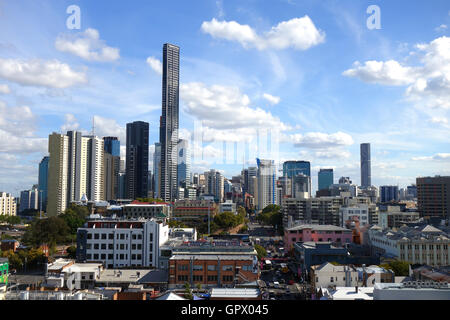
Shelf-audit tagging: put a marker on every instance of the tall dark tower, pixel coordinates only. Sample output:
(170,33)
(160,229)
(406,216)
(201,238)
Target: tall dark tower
(366,172)
(169,121)
(137,160)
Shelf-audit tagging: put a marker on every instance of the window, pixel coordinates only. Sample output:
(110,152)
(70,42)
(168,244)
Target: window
(103,236)
(227,268)
(103,256)
(103,246)
(96,246)
(122,236)
(197,267)
(183,267)
(183,278)
(122,256)
(89,236)
(133,257)
(197,278)
(151,237)
(133,247)
(111,236)
(96,256)
(110,246)
(212,278)
(134,237)
(96,236)
(331,279)
(212,267)
(139,246)
(110,256)
(227,278)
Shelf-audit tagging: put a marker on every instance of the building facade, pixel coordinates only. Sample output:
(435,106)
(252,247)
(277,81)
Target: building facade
(169,121)
(326,179)
(8,205)
(137,148)
(122,243)
(43,181)
(433,196)
(366,170)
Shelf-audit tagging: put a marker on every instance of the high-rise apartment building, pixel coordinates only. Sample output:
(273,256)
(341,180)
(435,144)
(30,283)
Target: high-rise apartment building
(301,186)
(43,182)
(326,178)
(29,199)
(8,205)
(157,171)
(215,184)
(137,160)
(266,183)
(58,148)
(112,146)
(388,193)
(184,163)
(293,168)
(170,121)
(366,171)
(433,196)
(111,167)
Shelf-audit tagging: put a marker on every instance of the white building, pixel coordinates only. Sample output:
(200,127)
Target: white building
(227,206)
(266,189)
(412,291)
(122,243)
(349,214)
(67,274)
(328,275)
(8,206)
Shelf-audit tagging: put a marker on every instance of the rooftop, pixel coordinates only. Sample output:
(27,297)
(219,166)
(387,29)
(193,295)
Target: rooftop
(235,293)
(219,255)
(119,276)
(317,227)
(349,293)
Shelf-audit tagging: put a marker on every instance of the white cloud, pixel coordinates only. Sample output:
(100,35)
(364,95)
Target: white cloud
(429,83)
(70,123)
(441,28)
(51,74)
(273,100)
(436,157)
(439,120)
(319,140)
(297,33)
(17,127)
(4,89)
(332,154)
(387,73)
(226,108)
(155,64)
(105,127)
(87,45)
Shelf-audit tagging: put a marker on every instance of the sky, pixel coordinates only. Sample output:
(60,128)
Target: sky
(280,79)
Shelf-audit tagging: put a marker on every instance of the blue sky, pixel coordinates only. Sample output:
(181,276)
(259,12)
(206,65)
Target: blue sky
(311,71)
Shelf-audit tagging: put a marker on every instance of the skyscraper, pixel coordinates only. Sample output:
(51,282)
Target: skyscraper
(137,159)
(293,168)
(43,181)
(433,196)
(58,148)
(112,167)
(326,178)
(215,184)
(112,146)
(366,174)
(157,171)
(184,163)
(169,121)
(388,193)
(266,183)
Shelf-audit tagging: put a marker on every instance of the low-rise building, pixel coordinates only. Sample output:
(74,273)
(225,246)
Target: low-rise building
(65,273)
(194,210)
(316,233)
(412,290)
(235,294)
(8,205)
(329,275)
(369,276)
(122,243)
(227,206)
(423,244)
(212,264)
(146,210)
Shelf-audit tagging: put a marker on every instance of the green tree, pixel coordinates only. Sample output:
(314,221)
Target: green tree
(72,252)
(400,268)
(261,252)
(50,231)
(176,224)
(188,291)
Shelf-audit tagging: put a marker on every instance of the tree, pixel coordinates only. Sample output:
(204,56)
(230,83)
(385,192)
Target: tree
(261,252)
(50,231)
(400,268)
(72,252)
(187,291)
(176,224)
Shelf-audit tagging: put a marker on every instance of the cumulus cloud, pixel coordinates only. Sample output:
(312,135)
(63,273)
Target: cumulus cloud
(441,28)
(386,73)
(428,84)
(297,33)
(225,108)
(155,64)
(17,127)
(87,45)
(319,140)
(4,89)
(50,74)
(436,157)
(273,100)
(70,123)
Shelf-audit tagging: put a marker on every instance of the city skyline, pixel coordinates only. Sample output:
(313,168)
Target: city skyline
(116,81)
